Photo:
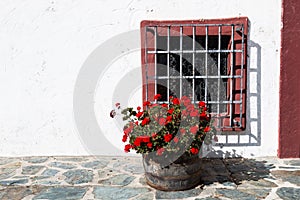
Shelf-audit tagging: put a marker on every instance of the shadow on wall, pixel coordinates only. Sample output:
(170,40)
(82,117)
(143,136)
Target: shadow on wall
(252,135)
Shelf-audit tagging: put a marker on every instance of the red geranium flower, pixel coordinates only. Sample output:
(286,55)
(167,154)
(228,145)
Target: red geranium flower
(176,101)
(182,130)
(124,138)
(169,119)
(176,140)
(170,111)
(162,121)
(201,104)
(138,108)
(164,105)
(206,129)
(154,135)
(145,139)
(194,113)
(145,121)
(194,150)
(194,129)
(160,151)
(146,103)
(137,142)
(158,96)
(168,137)
(139,114)
(127,148)
(149,145)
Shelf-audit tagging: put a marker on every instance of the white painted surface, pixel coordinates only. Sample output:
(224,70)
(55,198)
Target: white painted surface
(43,45)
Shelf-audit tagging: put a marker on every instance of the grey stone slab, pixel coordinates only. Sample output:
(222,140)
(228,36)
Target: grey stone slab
(177,194)
(18,192)
(105,173)
(234,194)
(120,179)
(135,169)
(62,165)
(36,159)
(47,182)
(288,193)
(145,196)
(289,176)
(207,198)
(95,164)
(9,170)
(78,176)
(39,177)
(117,193)
(72,159)
(293,162)
(261,193)
(50,172)
(257,184)
(14,182)
(4,161)
(31,170)
(61,193)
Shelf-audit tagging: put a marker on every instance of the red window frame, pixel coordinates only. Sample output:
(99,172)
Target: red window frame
(237,61)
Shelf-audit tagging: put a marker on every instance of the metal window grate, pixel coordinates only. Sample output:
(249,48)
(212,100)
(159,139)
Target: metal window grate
(198,64)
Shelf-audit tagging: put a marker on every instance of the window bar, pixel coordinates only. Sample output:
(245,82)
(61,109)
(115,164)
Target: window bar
(181,50)
(168,63)
(206,60)
(194,38)
(155,61)
(231,73)
(242,78)
(146,62)
(219,76)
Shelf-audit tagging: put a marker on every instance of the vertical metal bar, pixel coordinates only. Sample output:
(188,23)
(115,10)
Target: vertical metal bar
(181,51)
(219,75)
(194,38)
(206,60)
(155,61)
(146,62)
(231,74)
(242,76)
(168,63)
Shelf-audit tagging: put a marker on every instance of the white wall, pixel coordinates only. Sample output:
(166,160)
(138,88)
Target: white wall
(44,44)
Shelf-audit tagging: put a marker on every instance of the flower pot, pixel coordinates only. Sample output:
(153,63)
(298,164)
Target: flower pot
(182,174)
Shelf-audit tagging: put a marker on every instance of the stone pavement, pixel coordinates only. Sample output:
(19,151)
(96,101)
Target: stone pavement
(122,178)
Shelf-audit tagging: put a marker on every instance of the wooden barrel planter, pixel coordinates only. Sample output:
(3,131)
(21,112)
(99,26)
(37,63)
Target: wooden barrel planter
(182,174)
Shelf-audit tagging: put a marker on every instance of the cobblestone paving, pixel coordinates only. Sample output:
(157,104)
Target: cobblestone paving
(115,178)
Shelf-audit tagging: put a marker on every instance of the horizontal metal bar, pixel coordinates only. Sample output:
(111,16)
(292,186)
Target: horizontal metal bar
(191,77)
(209,102)
(196,51)
(191,25)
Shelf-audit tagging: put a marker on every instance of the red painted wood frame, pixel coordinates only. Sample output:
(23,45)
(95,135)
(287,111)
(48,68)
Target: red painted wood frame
(213,31)
(289,109)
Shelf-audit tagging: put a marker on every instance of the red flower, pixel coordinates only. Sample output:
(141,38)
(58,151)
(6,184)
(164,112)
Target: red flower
(124,138)
(176,140)
(164,105)
(201,104)
(139,114)
(117,105)
(170,111)
(154,135)
(149,145)
(146,103)
(168,137)
(145,121)
(176,101)
(162,121)
(127,131)
(194,113)
(138,108)
(194,129)
(194,150)
(182,130)
(127,148)
(137,142)
(145,139)
(137,123)
(158,96)
(184,113)
(160,151)
(169,119)
(206,129)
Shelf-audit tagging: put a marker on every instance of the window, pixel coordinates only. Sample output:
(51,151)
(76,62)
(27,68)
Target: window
(203,59)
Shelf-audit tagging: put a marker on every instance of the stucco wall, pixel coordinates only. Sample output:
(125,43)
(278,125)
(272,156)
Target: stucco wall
(44,44)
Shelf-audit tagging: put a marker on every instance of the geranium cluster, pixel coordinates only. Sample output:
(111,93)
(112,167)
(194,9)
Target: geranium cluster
(167,127)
